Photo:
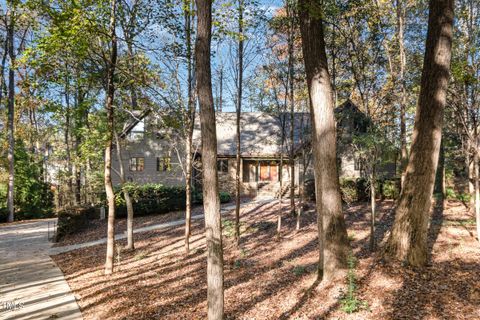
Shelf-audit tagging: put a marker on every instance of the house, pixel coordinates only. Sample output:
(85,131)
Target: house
(351,122)
(151,154)
(149,157)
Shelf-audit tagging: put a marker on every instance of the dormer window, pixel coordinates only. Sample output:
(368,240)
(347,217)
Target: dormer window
(138,131)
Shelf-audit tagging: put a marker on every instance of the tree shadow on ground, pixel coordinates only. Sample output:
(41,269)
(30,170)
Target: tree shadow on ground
(441,288)
(178,284)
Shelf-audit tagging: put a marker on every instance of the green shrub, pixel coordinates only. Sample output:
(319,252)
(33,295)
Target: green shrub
(73,220)
(3,214)
(298,270)
(354,190)
(224,197)
(464,197)
(450,194)
(350,303)
(197,196)
(363,189)
(150,198)
(390,188)
(348,189)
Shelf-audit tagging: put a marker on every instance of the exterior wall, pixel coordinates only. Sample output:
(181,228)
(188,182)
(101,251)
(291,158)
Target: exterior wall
(252,187)
(347,168)
(226,180)
(150,147)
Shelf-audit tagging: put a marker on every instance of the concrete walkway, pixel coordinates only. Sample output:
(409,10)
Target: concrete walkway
(31,284)
(120,236)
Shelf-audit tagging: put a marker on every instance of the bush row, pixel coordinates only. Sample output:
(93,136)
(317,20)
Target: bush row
(451,194)
(354,190)
(157,198)
(150,198)
(197,196)
(22,213)
(73,220)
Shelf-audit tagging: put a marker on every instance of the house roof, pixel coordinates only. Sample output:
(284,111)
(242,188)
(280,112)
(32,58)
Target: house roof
(261,133)
(135,117)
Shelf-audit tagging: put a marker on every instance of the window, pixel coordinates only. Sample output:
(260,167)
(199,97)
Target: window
(222,165)
(137,164)
(249,171)
(138,132)
(164,163)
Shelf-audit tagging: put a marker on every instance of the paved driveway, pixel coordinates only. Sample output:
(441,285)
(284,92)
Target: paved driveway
(31,285)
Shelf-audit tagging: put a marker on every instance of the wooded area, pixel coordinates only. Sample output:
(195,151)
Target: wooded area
(364,114)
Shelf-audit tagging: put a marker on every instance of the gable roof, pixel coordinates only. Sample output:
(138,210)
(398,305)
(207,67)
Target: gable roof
(135,117)
(350,119)
(261,133)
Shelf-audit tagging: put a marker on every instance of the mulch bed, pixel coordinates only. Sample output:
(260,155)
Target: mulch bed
(271,277)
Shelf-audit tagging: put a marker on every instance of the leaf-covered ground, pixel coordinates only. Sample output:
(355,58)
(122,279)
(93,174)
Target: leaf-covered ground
(272,277)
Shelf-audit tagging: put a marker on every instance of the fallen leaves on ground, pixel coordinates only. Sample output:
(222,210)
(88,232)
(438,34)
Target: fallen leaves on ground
(270,277)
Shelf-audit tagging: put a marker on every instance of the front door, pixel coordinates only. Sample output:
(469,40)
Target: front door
(273,172)
(264,172)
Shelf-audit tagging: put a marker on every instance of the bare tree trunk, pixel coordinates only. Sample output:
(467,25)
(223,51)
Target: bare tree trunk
(333,240)
(11,114)
(291,77)
(220,99)
(111,65)
(477,191)
(239,111)
(280,172)
(78,182)
(129,27)
(188,189)
(471,173)
(301,193)
(126,194)
(301,184)
(79,101)
(3,66)
(401,13)
(373,181)
(440,175)
(408,240)
(211,201)
(190,125)
(70,198)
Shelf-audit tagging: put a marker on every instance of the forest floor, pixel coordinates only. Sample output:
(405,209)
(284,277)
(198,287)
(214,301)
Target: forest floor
(272,277)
